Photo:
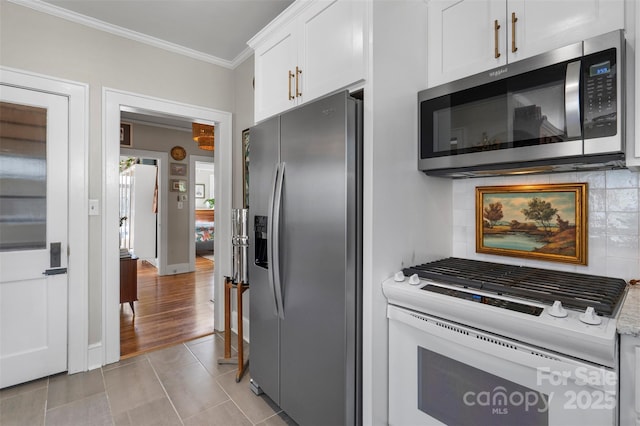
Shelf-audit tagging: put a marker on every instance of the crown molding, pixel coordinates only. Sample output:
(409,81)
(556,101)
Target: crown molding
(97,24)
(284,18)
(246,53)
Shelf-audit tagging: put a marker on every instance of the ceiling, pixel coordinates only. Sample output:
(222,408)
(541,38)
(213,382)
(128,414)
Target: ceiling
(216,31)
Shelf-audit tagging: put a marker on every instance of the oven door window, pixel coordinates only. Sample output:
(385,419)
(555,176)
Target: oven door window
(458,394)
(523,110)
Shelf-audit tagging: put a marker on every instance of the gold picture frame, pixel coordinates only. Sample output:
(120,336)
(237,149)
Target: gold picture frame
(544,222)
(178,185)
(126,135)
(178,169)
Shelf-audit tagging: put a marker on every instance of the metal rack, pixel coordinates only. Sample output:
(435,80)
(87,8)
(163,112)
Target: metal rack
(239,282)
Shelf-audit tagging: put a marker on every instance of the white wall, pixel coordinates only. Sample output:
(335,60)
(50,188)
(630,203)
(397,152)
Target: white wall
(613,221)
(44,44)
(407,214)
(204,175)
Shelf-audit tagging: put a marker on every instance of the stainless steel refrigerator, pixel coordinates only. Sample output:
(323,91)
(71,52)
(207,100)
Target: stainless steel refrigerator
(305,273)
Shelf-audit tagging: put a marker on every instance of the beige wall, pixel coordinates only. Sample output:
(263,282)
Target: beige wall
(51,46)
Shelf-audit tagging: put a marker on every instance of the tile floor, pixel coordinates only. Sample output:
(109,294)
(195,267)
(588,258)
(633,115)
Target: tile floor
(179,385)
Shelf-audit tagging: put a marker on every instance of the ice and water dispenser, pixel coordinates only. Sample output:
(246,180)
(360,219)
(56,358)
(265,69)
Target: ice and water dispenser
(260,241)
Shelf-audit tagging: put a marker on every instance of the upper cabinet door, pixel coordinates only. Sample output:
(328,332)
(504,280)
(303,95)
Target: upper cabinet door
(312,49)
(332,47)
(275,67)
(464,37)
(543,25)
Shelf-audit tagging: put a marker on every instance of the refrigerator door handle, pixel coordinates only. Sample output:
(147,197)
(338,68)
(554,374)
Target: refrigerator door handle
(276,174)
(276,241)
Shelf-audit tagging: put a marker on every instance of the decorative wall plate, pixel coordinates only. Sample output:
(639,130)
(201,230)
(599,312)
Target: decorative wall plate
(178,153)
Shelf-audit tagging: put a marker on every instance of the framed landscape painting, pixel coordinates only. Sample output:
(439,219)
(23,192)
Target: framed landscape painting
(544,222)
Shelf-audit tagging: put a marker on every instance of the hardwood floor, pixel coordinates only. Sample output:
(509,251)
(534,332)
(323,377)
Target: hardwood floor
(170,309)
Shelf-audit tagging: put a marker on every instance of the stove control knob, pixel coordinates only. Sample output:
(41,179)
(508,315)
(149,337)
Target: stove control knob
(414,279)
(590,317)
(398,277)
(557,310)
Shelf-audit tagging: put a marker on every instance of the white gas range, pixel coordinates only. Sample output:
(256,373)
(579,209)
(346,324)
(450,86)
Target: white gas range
(474,342)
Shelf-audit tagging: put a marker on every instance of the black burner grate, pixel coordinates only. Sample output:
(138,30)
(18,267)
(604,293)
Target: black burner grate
(576,291)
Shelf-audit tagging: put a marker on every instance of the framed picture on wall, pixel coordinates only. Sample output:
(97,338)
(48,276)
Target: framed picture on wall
(125,134)
(245,170)
(178,169)
(199,191)
(178,185)
(543,222)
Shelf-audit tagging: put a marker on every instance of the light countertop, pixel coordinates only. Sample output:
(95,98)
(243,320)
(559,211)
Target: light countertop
(629,321)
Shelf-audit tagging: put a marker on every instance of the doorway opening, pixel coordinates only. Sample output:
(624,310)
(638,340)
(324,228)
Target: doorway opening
(164,299)
(115,103)
(204,206)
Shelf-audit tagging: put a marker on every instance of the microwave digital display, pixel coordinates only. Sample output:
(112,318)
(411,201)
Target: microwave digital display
(600,69)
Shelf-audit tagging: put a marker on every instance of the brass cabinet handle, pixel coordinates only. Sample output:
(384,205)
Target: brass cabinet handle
(496,27)
(291,97)
(298,72)
(513,32)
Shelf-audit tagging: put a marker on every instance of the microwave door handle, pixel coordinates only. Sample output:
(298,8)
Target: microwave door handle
(572,100)
(270,221)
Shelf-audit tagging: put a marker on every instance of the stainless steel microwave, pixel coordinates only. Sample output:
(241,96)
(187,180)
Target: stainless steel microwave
(558,111)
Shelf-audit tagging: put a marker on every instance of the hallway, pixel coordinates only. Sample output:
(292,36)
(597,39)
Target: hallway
(170,309)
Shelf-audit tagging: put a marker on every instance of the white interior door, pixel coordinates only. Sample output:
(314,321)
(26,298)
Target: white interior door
(143,230)
(33,234)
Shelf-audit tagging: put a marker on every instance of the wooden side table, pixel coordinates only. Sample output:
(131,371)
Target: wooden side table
(241,287)
(129,280)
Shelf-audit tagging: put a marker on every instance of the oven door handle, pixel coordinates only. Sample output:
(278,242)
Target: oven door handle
(572,100)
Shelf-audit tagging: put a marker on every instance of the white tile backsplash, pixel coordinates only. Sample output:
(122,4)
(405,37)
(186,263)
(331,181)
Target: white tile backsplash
(613,221)
(622,200)
(622,223)
(621,179)
(595,180)
(597,200)
(597,224)
(622,246)
(563,177)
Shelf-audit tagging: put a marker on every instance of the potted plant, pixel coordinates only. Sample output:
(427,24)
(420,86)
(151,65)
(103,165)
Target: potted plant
(210,202)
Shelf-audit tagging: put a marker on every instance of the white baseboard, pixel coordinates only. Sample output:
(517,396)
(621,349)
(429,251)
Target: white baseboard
(245,325)
(177,268)
(95,356)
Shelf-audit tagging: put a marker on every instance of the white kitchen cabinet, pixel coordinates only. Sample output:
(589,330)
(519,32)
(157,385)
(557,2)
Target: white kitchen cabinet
(312,49)
(629,380)
(469,36)
(274,62)
(464,37)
